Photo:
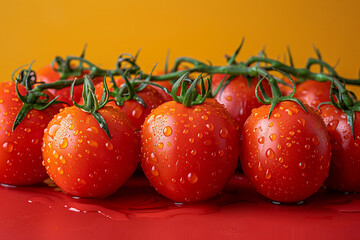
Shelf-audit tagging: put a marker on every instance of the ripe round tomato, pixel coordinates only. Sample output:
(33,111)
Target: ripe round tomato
(134,110)
(189,153)
(20,153)
(313,92)
(48,75)
(344,172)
(287,156)
(81,159)
(238,98)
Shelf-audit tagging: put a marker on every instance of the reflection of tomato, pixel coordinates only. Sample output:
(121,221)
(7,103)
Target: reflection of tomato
(238,98)
(134,110)
(345,163)
(49,75)
(20,153)
(80,157)
(189,153)
(287,156)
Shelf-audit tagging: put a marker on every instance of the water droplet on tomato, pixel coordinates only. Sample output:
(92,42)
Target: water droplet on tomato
(301,121)
(92,143)
(307,146)
(261,140)
(200,135)
(136,113)
(185,131)
(193,152)
(192,178)
(60,170)
(8,147)
(109,146)
(268,174)
(277,115)
(167,131)
(302,165)
(292,133)
(270,153)
(207,142)
(210,126)
(28,130)
(271,124)
(272,137)
(221,152)
(93,129)
(62,159)
(53,129)
(281,159)
(260,167)
(160,145)
(191,140)
(55,154)
(153,157)
(224,133)
(154,171)
(63,143)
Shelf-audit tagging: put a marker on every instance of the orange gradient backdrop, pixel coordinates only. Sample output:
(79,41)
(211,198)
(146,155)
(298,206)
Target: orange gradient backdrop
(202,29)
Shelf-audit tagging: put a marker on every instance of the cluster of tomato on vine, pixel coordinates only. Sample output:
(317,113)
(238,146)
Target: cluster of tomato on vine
(88,128)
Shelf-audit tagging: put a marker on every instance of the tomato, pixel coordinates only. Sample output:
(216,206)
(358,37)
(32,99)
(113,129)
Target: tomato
(238,98)
(134,110)
(287,156)
(313,92)
(81,159)
(48,75)
(189,153)
(20,153)
(344,172)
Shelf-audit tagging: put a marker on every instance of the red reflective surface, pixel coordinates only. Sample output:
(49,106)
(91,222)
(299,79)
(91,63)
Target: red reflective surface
(136,211)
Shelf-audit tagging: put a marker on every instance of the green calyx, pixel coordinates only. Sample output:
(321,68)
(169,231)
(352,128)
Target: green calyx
(33,98)
(189,95)
(91,104)
(276,93)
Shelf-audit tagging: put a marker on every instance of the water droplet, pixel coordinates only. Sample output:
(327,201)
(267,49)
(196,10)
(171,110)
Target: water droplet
(272,137)
(315,140)
(210,126)
(193,152)
(154,171)
(150,119)
(60,170)
(271,124)
(55,154)
(72,126)
(153,157)
(92,143)
(63,143)
(289,112)
(136,113)
(281,159)
(167,131)
(260,167)
(62,160)
(53,129)
(200,135)
(192,178)
(224,133)
(288,144)
(76,132)
(191,118)
(93,129)
(191,140)
(221,152)
(160,145)
(307,146)
(250,165)
(207,142)
(267,174)
(80,140)
(185,131)
(109,146)
(301,121)
(277,115)
(270,153)
(28,130)
(261,140)
(292,133)
(8,147)
(302,165)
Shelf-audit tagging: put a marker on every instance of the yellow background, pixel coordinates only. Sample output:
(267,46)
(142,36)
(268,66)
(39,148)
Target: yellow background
(202,29)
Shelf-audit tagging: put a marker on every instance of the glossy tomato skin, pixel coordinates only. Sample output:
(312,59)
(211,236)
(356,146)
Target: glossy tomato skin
(81,159)
(238,97)
(287,156)
(20,153)
(134,110)
(313,93)
(344,172)
(48,75)
(189,153)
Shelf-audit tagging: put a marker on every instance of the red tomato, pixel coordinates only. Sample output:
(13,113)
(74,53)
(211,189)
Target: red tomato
(344,172)
(81,159)
(49,75)
(189,153)
(134,110)
(287,156)
(20,153)
(238,98)
(313,92)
